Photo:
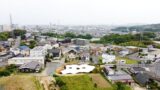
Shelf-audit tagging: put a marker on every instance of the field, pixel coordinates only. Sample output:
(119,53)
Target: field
(19,82)
(85,82)
(128,61)
(101,82)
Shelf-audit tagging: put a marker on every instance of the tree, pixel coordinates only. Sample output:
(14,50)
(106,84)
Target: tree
(19,32)
(32,44)
(70,35)
(120,86)
(4,35)
(115,67)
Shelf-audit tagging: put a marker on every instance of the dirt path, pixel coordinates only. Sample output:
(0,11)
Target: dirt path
(48,82)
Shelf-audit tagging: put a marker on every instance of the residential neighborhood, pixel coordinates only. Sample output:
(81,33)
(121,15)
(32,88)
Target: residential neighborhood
(129,66)
(80,45)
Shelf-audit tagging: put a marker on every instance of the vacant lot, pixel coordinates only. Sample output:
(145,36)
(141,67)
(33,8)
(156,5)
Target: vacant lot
(84,82)
(100,81)
(20,82)
(128,61)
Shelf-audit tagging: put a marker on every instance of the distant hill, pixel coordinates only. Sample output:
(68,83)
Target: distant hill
(145,28)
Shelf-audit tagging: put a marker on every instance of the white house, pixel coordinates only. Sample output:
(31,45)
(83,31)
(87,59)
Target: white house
(38,51)
(47,46)
(74,69)
(106,58)
(16,51)
(23,60)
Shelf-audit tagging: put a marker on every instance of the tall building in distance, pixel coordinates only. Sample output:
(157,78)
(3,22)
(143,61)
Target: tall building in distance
(11,26)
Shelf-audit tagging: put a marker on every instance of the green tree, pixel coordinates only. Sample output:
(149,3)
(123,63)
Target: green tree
(70,35)
(120,86)
(32,44)
(19,32)
(4,35)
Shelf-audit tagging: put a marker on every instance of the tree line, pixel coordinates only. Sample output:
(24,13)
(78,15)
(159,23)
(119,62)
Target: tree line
(141,40)
(68,35)
(8,34)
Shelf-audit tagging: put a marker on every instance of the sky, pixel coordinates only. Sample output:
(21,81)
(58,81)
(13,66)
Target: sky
(80,12)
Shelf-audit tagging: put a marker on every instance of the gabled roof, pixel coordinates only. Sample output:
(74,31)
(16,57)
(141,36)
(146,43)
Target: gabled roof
(31,65)
(142,78)
(74,50)
(54,50)
(138,69)
(120,77)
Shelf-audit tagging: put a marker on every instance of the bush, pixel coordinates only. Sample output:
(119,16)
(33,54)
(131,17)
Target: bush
(59,82)
(4,73)
(8,70)
(95,85)
(54,75)
(120,86)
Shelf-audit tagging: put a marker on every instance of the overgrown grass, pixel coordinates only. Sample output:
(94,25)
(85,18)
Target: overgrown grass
(80,82)
(128,61)
(20,82)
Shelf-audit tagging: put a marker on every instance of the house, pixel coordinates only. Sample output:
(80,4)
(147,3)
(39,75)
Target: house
(85,56)
(66,40)
(106,58)
(80,41)
(142,78)
(55,53)
(15,51)
(22,60)
(38,51)
(24,50)
(108,70)
(124,78)
(32,66)
(136,70)
(117,76)
(124,52)
(75,69)
(72,54)
(150,48)
(47,46)
(94,59)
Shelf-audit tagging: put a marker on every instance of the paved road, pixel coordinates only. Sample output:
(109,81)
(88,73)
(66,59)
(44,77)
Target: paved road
(50,68)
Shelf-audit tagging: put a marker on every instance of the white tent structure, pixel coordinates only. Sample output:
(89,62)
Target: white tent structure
(106,58)
(74,69)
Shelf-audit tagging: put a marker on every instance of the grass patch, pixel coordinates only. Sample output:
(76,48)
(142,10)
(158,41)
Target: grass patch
(20,82)
(101,82)
(83,82)
(128,61)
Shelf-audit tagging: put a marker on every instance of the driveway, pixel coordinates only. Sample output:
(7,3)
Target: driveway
(50,68)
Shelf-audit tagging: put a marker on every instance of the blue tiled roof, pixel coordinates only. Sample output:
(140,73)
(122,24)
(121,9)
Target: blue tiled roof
(24,48)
